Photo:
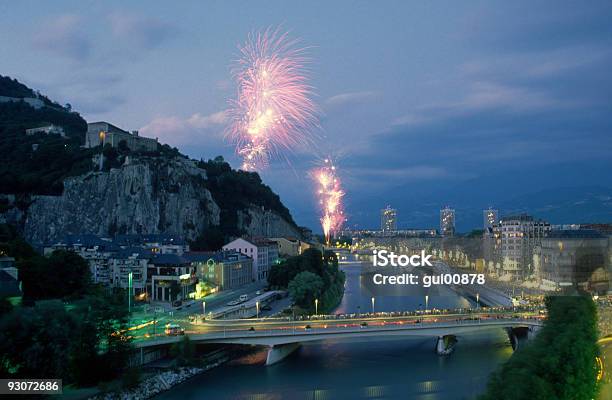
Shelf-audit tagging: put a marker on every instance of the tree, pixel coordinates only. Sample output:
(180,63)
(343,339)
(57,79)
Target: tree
(324,266)
(211,239)
(64,274)
(183,351)
(560,363)
(5,306)
(37,341)
(102,347)
(305,288)
(123,147)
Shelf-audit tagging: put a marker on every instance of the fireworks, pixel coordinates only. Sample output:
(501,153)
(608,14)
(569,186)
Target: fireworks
(273,110)
(330,195)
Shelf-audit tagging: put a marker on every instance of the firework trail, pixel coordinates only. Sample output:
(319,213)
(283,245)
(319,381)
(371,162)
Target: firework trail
(330,195)
(273,110)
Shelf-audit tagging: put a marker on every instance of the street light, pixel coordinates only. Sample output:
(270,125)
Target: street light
(257,306)
(426,302)
(204,309)
(372,305)
(130,276)
(316,306)
(477,301)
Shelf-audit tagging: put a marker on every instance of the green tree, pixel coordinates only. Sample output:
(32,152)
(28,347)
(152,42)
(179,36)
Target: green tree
(559,363)
(5,306)
(183,352)
(102,347)
(211,239)
(37,342)
(64,274)
(305,288)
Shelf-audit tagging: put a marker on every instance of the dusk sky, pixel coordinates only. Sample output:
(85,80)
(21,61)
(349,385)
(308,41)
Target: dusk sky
(415,96)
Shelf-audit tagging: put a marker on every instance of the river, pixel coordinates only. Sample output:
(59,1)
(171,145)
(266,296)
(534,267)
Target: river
(405,368)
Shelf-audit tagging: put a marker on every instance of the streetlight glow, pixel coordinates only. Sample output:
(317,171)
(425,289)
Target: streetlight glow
(373,305)
(316,306)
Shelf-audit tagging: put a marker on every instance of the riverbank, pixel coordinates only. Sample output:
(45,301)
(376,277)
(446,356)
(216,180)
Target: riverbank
(157,384)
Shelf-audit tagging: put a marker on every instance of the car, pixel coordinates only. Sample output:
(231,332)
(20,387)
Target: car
(243,298)
(174,330)
(258,292)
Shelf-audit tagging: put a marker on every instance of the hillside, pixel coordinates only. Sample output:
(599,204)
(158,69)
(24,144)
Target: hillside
(53,187)
(38,164)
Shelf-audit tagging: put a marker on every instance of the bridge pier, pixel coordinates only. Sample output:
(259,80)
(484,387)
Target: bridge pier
(520,334)
(445,344)
(279,352)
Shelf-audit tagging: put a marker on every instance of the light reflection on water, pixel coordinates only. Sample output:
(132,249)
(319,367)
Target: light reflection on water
(390,368)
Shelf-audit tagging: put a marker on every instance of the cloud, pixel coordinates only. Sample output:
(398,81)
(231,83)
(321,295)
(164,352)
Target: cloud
(390,175)
(64,36)
(484,96)
(198,120)
(180,131)
(147,33)
(350,98)
(97,104)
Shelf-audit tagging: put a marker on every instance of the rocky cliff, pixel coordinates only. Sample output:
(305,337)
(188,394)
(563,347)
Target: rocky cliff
(151,196)
(146,195)
(265,223)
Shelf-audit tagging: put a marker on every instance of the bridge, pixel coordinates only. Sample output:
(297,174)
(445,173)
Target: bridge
(283,336)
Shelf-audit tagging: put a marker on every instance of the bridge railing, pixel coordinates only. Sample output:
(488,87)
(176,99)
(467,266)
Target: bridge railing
(415,313)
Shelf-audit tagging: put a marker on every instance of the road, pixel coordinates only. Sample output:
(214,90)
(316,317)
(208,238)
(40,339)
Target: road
(143,318)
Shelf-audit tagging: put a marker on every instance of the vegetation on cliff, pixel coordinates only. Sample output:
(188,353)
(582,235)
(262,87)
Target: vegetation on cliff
(39,163)
(235,191)
(560,363)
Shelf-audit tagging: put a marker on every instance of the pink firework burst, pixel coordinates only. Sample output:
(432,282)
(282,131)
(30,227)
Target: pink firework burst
(330,194)
(273,110)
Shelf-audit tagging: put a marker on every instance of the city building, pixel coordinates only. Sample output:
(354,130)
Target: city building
(133,261)
(95,250)
(7,262)
(160,243)
(573,258)
(222,269)
(447,221)
(170,277)
(102,133)
(9,284)
(264,253)
(489,218)
(388,219)
(289,247)
(48,130)
(515,238)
